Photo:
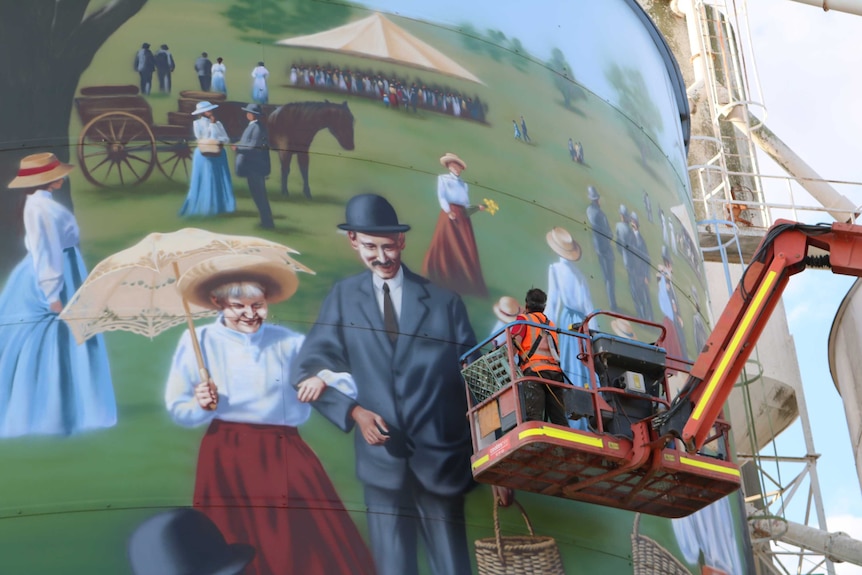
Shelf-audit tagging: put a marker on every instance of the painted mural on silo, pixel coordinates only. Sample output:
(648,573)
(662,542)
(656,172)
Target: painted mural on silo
(344,198)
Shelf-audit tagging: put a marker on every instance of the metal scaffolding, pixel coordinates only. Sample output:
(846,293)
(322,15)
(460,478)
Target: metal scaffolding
(735,204)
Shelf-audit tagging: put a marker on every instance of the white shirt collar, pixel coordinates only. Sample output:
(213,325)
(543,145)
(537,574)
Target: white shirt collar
(394,283)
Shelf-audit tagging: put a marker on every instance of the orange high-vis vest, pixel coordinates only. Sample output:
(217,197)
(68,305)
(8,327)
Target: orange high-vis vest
(539,347)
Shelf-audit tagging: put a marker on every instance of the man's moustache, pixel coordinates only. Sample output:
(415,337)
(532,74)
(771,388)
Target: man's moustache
(379,263)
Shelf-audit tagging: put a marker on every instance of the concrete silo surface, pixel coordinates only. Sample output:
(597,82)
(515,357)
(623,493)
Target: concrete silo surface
(568,127)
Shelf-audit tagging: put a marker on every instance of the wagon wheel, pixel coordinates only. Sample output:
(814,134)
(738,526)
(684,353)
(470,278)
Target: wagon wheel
(116,149)
(174,159)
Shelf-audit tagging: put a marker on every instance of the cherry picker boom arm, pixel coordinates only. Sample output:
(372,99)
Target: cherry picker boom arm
(782,253)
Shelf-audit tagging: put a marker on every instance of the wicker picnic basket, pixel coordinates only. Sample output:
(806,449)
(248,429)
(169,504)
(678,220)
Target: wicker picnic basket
(650,558)
(517,554)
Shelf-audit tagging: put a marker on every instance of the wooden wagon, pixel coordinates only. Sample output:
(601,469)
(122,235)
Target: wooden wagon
(119,143)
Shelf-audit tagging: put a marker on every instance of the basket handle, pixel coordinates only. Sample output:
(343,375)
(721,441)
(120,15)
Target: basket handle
(497,534)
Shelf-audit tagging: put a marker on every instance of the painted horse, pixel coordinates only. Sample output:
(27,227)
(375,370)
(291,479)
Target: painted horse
(292,128)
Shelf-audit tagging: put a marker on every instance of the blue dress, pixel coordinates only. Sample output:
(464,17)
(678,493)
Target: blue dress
(211,189)
(569,302)
(218,83)
(259,90)
(49,385)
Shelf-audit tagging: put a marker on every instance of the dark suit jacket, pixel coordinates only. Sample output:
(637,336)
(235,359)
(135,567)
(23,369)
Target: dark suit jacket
(252,151)
(416,386)
(203,66)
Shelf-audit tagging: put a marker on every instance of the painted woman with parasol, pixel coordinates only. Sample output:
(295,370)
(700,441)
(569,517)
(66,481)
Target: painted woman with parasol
(256,478)
(48,383)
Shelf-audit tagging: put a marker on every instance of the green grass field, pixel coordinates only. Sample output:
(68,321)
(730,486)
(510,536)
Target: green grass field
(52,488)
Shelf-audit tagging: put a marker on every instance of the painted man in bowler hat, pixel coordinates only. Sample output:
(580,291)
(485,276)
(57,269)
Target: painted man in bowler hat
(400,336)
(253,163)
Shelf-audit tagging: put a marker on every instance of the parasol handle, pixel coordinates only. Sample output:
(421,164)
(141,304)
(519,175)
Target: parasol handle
(202,369)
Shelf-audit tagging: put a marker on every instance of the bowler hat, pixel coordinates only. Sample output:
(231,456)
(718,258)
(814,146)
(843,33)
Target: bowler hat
(38,169)
(253,109)
(592,193)
(145,45)
(278,278)
(183,541)
(371,214)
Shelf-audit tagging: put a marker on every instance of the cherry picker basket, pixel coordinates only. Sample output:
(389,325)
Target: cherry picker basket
(490,372)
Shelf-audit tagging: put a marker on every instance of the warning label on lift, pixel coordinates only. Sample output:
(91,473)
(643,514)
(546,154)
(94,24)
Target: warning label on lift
(499,448)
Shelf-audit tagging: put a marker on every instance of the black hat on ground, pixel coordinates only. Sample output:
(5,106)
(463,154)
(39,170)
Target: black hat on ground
(253,109)
(183,541)
(371,214)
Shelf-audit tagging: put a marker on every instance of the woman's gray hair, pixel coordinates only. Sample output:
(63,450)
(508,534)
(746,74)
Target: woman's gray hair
(237,290)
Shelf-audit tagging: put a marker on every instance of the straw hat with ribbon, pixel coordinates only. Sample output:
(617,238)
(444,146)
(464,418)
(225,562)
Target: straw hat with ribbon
(507,309)
(39,169)
(277,278)
(623,328)
(449,157)
(562,242)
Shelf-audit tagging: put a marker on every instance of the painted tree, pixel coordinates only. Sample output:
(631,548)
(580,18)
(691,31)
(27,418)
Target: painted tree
(564,79)
(265,20)
(45,46)
(635,101)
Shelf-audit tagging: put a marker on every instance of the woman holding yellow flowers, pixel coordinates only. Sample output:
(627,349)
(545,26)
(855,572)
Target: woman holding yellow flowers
(452,259)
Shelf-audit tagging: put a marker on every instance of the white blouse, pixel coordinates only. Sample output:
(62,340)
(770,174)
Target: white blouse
(49,229)
(451,190)
(205,129)
(251,372)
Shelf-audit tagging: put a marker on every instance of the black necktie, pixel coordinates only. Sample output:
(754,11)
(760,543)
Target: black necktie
(390,323)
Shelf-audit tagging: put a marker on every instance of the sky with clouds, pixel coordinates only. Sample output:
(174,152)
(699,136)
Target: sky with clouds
(809,66)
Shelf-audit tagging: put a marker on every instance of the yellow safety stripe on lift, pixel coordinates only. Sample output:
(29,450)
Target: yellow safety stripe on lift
(709,466)
(481,461)
(734,344)
(562,434)
(556,434)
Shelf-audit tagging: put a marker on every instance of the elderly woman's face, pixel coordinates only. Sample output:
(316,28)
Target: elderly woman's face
(245,314)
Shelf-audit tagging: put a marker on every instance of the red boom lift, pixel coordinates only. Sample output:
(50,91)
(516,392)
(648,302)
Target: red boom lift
(643,450)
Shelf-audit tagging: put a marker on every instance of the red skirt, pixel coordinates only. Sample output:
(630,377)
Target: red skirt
(452,259)
(264,486)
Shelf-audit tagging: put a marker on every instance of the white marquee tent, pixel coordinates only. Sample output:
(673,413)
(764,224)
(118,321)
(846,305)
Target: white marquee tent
(379,38)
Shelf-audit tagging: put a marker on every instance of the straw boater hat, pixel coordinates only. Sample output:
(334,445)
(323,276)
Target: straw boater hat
(202,107)
(38,169)
(622,328)
(562,242)
(449,157)
(507,309)
(278,278)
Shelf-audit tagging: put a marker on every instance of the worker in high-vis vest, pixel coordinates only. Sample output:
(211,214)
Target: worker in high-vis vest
(539,356)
